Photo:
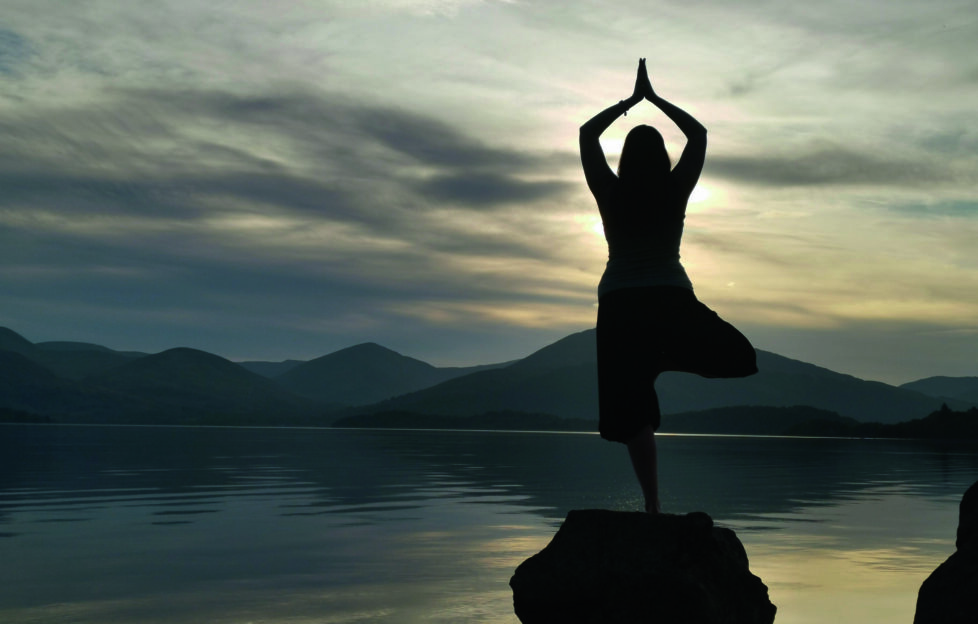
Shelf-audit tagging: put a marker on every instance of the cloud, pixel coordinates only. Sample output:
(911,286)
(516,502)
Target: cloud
(432,142)
(828,164)
(290,148)
(208,200)
(488,189)
(14,51)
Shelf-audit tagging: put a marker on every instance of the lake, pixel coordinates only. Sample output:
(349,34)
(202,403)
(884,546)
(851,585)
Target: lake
(170,524)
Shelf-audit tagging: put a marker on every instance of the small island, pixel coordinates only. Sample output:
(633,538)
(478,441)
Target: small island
(800,421)
(507,420)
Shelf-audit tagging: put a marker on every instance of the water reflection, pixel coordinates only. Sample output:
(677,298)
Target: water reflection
(326,471)
(294,523)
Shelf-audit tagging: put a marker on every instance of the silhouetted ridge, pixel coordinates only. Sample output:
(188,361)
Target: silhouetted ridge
(270,369)
(574,350)
(360,374)
(12,341)
(20,375)
(182,367)
(561,379)
(67,345)
(30,387)
(961,388)
(71,360)
(85,382)
(567,391)
(186,382)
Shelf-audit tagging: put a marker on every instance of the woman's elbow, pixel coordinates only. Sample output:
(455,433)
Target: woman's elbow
(697,136)
(586,138)
(588,130)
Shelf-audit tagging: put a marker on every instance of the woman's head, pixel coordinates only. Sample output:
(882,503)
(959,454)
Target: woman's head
(643,156)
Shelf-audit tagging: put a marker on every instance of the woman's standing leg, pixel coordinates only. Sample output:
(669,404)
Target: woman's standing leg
(628,363)
(641,450)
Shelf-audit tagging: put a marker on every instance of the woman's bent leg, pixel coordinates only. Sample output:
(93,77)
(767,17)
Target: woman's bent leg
(708,346)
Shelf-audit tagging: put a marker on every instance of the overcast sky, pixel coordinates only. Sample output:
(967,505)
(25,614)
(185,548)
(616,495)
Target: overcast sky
(272,180)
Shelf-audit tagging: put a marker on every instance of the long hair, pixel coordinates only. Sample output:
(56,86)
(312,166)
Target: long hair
(644,159)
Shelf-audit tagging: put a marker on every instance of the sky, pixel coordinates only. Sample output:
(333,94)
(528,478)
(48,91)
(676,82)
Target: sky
(273,180)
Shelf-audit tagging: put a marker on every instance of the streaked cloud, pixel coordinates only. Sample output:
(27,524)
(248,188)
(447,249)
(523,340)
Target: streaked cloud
(835,164)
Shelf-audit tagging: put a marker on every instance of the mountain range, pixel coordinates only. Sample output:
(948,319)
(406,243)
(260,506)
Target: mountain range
(84,382)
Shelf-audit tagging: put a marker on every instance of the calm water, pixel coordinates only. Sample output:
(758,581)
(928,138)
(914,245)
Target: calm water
(157,524)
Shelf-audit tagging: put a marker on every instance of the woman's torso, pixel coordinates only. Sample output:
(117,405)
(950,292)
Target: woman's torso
(644,231)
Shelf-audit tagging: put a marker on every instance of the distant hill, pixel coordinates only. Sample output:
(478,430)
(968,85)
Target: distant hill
(561,379)
(70,360)
(491,421)
(752,420)
(85,382)
(67,345)
(575,350)
(786,382)
(8,415)
(188,385)
(29,387)
(363,374)
(942,424)
(12,341)
(269,369)
(26,385)
(744,420)
(960,388)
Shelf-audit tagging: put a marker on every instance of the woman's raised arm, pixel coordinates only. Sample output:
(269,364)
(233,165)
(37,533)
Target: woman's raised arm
(596,170)
(687,170)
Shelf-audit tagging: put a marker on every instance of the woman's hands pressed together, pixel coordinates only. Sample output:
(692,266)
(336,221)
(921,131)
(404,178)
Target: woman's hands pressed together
(643,86)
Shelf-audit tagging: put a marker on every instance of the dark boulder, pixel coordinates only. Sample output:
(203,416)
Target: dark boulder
(950,593)
(612,567)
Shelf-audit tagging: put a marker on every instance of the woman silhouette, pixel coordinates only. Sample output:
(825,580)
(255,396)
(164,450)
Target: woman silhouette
(649,320)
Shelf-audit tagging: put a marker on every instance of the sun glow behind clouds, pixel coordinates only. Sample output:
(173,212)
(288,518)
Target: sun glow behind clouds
(700,194)
(595,225)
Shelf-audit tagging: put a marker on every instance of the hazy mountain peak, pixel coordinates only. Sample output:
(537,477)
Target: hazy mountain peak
(368,350)
(68,345)
(181,360)
(360,374)
(575,349)
(16,367)
(178,352)
(195,382)
(964,388)
(367,346)
(12,341)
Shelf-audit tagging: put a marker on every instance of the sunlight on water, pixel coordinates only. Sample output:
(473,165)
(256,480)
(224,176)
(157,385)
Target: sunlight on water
(853,561)
(830,585)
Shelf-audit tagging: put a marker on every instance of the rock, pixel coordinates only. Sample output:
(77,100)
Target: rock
(968,520)
(950,593)
(612,567)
